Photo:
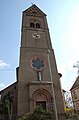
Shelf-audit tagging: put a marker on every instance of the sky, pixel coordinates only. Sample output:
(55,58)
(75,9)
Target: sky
(63,22)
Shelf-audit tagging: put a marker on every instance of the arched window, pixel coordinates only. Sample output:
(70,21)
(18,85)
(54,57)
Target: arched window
(32,24)
(37,25)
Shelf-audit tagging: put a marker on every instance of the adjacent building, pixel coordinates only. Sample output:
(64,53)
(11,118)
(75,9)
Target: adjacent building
(75,94)
(37,75)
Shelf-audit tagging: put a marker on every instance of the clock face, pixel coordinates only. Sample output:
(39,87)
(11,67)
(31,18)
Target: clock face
(38,64)
(36,36)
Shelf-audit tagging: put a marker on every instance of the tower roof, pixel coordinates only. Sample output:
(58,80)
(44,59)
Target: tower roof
(76,83)
(34,11)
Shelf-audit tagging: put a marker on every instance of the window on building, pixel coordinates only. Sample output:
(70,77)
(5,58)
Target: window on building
(37,25)
(75,95)
(32,24)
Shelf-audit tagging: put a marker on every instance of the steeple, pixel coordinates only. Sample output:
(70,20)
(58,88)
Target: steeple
(35,32)
(37,66)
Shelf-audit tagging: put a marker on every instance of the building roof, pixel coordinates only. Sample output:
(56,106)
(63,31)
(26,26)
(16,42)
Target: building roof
(76,84)
(34,8)
(8,87)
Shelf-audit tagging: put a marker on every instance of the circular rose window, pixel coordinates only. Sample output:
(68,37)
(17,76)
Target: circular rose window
(38,63)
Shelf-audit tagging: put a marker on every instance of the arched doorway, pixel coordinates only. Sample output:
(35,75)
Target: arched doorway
(42,97)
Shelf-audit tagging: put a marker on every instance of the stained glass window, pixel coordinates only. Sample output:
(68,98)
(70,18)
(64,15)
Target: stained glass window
(38,64)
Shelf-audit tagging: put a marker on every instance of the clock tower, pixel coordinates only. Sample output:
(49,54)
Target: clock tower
(38,78)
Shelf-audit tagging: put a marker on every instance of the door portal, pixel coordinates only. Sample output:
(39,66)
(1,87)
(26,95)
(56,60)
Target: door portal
(42,104)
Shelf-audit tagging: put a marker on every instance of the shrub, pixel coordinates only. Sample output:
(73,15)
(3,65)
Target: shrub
(38,114)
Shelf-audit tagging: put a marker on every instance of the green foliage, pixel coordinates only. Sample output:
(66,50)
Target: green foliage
(38,114)
(4,106)
(69,112)
(71,115)
(5,109)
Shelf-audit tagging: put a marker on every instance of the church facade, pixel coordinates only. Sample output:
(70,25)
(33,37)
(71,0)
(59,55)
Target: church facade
(37,76)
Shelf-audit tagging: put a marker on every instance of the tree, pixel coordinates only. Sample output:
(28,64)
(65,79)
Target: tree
(4,109)
(6,106)
(68,105)
(68,100)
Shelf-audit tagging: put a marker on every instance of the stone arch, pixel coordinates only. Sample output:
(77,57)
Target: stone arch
(43,97)
(34,23)
(37,25)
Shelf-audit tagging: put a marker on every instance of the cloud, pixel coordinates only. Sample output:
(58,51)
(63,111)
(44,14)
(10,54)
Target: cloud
(3,64)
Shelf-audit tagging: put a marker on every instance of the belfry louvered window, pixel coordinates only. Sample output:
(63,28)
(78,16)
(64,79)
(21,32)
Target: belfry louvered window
(32,24)
(35,24)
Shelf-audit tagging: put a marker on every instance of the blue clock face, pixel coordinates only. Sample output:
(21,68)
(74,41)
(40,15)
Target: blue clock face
(38,64)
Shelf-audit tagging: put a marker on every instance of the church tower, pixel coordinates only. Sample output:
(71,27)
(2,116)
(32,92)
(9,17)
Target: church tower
(38,78)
